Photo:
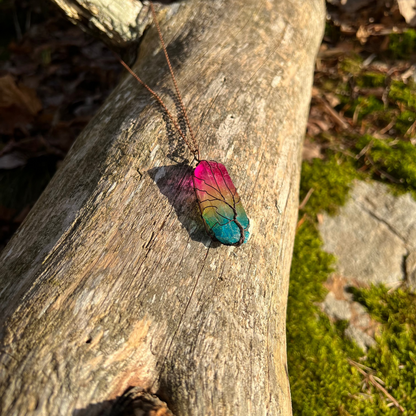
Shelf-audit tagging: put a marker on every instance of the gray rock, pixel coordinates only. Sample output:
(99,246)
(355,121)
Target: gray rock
(373,238)
(369,249)
(361,319)
(397,212)
(362,339)
(337,309)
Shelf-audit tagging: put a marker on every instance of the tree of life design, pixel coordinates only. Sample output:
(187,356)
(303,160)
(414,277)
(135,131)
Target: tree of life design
(222,211)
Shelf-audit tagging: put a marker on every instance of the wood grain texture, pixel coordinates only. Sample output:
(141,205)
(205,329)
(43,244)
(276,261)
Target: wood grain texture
(111,282)
(119,23)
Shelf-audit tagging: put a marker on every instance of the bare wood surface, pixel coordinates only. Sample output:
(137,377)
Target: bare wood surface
(111,282)
(117,22)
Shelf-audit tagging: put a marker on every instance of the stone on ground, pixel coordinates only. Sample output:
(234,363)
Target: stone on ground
(374,239)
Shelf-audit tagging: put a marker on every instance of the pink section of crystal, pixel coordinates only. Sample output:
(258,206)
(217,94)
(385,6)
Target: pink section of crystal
(220,205)
(212,180)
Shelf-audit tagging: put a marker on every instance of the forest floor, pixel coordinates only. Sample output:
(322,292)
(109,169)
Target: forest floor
(362,125)
(53,78)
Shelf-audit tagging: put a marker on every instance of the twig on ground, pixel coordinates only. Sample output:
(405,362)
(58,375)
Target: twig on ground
(306,199)
(382,172)
(300,222)
(356,114)
(333,114)
(372,379)
(411,129)
(388,127)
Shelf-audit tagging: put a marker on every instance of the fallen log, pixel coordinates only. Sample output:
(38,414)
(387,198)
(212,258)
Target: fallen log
(111,283)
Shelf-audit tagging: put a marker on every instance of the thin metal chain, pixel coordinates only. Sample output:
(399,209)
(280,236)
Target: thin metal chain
(196,147)
(159,100)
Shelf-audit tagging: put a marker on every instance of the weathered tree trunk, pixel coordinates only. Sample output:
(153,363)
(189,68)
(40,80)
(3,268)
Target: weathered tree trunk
(119,23)
(111,281)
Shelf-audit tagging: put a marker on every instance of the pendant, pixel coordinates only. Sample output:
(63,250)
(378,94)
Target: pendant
(222,211)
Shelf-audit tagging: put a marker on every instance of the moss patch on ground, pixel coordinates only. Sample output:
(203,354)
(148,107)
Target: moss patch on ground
(368,133)
(323,381)
(395,159)
(394,359)
(403,94)
(372,98)
(330,180)
(371,79)
(321,378)
(402,45)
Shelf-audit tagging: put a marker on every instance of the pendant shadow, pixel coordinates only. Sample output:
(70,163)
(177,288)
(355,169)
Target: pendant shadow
(175,182)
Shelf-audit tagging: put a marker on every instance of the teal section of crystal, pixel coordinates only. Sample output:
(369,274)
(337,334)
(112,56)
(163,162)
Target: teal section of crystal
(220,205)
(223,226)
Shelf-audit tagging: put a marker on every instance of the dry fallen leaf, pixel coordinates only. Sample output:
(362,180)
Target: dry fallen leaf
(55,79)
(322,124)
(313,129)
(332,99)
(311,150)
(20,96)
(18,105)
(362,34)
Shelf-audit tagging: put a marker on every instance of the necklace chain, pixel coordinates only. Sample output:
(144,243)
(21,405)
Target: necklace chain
(193,147)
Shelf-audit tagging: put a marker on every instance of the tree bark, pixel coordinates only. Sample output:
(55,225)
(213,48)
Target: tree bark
(119,23)
(112,282)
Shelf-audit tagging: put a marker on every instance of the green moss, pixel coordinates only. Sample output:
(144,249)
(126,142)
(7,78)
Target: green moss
(402,45)
(46,56)
(400,92)
(371,109)
(364,106)
(404,121)
(396,158)
(371,80)
(329,84)
(331,181)
(369,105)
(336,86)
(321,378)
(351,64)
(394,357)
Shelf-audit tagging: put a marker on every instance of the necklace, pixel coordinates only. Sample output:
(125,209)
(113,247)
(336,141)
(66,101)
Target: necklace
(221,209)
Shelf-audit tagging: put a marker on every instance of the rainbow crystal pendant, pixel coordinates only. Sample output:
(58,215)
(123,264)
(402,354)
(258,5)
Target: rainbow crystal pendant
(222,211)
